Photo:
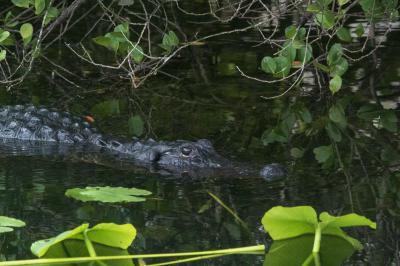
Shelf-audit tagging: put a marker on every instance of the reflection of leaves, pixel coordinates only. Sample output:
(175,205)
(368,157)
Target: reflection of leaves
(136,125)
(108,194)
(6,224)
(288,222)
(334,251)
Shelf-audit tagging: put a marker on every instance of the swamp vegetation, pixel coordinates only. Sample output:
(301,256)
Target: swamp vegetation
(313,85)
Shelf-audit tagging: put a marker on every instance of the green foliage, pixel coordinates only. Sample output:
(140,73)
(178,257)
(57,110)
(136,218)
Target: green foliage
(3,54)
(26,32)
(344,34)
(108,194)
(21,3)
(335,84)
(118,41)
(169,42)
(334,251)
(136,125)
(108,234)
(7,224)
(40,5)
(289,222)
(324,154)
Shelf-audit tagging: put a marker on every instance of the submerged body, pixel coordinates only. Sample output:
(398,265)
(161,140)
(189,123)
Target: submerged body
(48,131)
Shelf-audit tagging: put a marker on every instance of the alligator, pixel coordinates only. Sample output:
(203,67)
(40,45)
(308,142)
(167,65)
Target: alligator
(30,130)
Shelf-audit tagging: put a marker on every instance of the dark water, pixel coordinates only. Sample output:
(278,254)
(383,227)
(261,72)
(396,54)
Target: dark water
(226,108)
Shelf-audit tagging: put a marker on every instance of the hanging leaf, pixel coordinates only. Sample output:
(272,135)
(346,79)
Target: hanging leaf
(268,65)
(359,30)
(4,35)
(108,194)
(39,6)
(335,54)
(137,54)
(335,84)
(323,153)
(290,32)
(21,3)
(52,13)
(325,19)
(3,54)
(108,42)
(296,153)
(344,34)
(337,115)
(26,32)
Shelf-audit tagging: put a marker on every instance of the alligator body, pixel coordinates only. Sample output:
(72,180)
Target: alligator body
(32,130)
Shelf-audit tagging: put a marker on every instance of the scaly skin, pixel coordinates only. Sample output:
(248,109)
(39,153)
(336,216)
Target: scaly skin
(30,124)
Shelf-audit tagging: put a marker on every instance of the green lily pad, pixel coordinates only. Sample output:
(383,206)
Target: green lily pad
(108,194)
(7,224)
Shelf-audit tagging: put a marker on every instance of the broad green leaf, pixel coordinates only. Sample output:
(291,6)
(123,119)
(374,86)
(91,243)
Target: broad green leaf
(117,36)
(359,30)
(290,32)
(325,19)
(52,13)
(4,35)
(107,42)
(333,132)
(112,235)
(268,65)
(337,115)
(108,235)
(335,84)
(323,153)
(348,220)
(342,2)
(296,153)
(3,54)
(344,34)
(294,251)
(335,54)
(39,248)
(137,54)
(108,194)
(389,120)
(305,54)
(123,27)
(339,68)
(312,8)
(286,222)
(169,41)
(288,51)
(26,32)
(305,114)
(283,66)
(7,223)
(136,125)
(39,6)
(21,3)
(273,135)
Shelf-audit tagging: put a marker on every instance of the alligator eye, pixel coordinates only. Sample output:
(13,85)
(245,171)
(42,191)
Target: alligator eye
(186,151)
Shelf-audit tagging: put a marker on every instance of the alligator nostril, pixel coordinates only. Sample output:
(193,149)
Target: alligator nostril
(155,156)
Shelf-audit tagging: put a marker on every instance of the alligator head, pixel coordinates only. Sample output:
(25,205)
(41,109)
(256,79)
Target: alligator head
(180,155)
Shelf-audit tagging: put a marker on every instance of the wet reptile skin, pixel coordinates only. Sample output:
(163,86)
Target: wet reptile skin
(30,124)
